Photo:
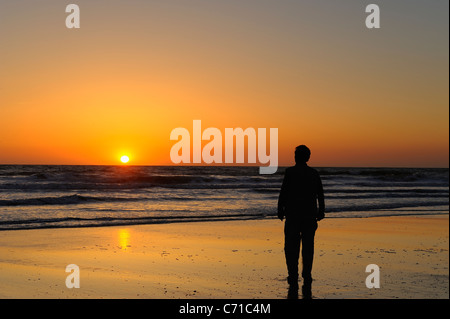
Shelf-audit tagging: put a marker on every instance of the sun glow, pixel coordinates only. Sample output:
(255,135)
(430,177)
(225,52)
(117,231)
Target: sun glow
(124,159)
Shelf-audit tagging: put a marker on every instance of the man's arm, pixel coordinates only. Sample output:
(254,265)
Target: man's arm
(282,199)
(320,199)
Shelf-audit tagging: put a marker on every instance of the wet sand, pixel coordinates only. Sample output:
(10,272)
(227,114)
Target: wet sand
(228,259)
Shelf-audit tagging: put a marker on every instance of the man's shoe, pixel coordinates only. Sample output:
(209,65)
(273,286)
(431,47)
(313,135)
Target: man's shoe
(306,291)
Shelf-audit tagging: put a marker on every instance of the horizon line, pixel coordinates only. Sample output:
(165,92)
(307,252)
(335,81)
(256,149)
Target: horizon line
(223,165)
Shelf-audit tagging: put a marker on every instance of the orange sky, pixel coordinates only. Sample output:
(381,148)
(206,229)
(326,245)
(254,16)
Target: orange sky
(133,72)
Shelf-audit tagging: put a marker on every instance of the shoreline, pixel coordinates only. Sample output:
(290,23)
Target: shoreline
(193,220)
(236,259)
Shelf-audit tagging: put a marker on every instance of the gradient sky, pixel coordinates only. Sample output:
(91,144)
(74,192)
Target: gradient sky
(136,70)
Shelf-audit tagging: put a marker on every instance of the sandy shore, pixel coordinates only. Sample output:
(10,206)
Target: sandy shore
(233,259)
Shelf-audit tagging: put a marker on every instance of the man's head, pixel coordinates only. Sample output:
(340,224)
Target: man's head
(302,154)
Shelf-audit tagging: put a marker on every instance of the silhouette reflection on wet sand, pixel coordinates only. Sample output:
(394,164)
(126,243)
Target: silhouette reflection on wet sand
(293,292)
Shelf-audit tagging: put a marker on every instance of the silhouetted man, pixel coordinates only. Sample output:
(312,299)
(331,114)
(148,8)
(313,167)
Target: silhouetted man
(301,191)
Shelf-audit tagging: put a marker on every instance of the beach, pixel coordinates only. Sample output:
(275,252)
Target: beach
(241,259)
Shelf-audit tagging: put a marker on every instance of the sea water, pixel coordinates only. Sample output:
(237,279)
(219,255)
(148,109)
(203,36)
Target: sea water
(33,196)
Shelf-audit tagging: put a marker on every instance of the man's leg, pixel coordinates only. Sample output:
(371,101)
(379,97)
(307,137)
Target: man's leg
(292,251)
(307,239)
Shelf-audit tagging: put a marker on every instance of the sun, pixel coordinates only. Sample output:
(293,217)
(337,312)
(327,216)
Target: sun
(124,159)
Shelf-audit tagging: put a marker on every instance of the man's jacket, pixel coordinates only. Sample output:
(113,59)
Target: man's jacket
(301,197)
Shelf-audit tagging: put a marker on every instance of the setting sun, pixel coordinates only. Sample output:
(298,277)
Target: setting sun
(124,159)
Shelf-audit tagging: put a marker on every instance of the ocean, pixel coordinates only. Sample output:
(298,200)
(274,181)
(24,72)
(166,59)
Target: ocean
(52,196)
